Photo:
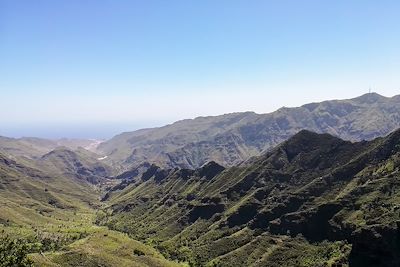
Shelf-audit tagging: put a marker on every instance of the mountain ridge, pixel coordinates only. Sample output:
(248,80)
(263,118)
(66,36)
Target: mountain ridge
(310,193)
(34,147)
(233,138)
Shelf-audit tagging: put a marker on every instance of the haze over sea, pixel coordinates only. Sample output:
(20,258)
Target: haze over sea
(96,68)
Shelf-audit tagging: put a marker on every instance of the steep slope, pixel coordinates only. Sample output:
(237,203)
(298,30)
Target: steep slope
(80,164)
(314,200)
(31,197)
(230,139)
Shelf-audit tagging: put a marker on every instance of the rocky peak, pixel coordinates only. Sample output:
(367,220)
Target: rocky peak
(210,170)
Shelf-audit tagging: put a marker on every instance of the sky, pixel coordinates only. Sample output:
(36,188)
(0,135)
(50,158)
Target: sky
(95,68)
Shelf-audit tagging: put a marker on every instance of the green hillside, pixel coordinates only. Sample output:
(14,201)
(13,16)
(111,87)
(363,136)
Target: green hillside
(51,215)
(315,200)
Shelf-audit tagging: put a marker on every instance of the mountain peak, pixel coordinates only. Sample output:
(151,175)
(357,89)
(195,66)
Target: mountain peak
(304,133)
(210,170)
(370,98)
(306,141)
(309,137)
(59,151)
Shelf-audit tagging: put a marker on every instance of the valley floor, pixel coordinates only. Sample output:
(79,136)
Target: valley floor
(103,247)
(49,219)
(77,241)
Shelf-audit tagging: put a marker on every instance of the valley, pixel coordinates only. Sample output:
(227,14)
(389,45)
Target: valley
(52,212)
(312,199)
(199,133)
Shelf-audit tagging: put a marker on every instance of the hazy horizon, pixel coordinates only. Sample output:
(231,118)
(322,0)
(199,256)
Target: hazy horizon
(92,69)
(103,130)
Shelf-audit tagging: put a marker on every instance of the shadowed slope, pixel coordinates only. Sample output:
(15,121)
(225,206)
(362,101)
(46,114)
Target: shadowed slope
(318,186)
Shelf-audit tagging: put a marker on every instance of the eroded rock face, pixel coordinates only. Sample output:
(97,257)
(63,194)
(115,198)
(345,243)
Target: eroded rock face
(134,172)
(232,138)
(79,164)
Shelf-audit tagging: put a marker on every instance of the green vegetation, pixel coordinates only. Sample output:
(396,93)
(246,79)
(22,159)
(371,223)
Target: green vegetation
(315,200)
(13,252)
(104,248)
(47,219)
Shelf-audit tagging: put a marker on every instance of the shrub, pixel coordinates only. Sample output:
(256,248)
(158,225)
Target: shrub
(13,252)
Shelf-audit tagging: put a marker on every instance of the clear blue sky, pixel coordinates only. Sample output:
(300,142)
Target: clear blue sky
(92,68)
